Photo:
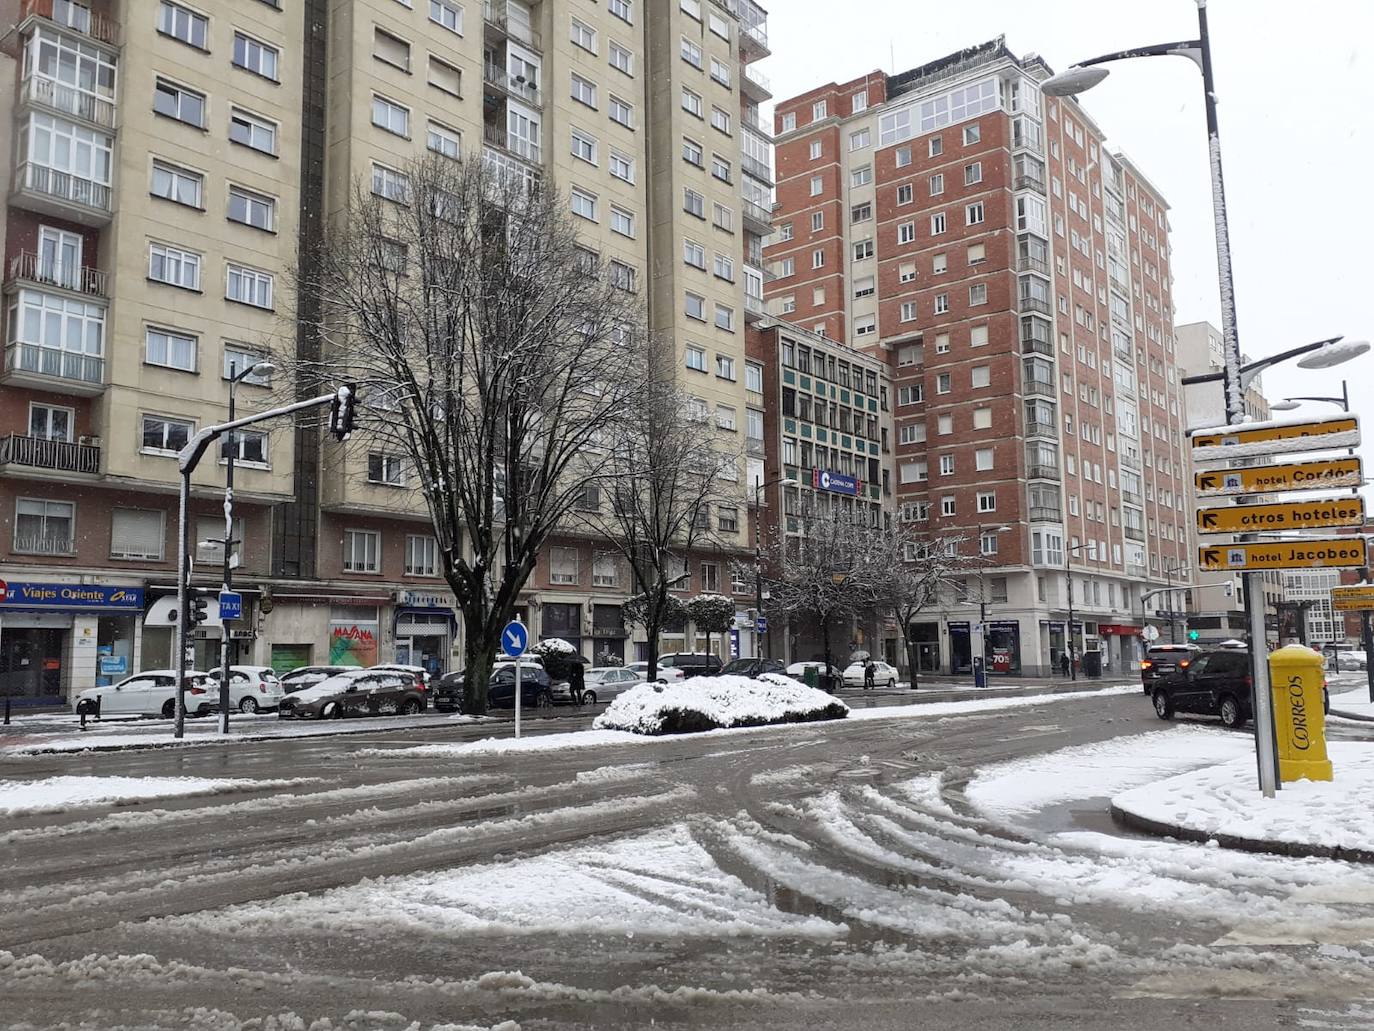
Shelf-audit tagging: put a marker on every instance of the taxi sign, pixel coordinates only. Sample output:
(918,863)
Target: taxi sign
(1296,515)
(1320,553)
(1240,441)
(1260,479)
(1352,599)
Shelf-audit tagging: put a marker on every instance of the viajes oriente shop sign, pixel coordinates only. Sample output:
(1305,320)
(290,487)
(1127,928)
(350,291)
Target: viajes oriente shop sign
(21,594)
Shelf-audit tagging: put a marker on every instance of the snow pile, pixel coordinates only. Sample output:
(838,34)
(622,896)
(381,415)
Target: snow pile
(1023,786)
(711,703)
(57,794)
(1225,800)
(555,645)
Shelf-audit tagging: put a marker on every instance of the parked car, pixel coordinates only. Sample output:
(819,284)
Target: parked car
(600,683)
(251,688)
(150,693)
(357,692)
(309,676)
(753,668)
(662,674)
(1349,659)
(446,693)
(536,692)
(1214,683)
(420,674)
(692,664)
(883,674)
(1163,659)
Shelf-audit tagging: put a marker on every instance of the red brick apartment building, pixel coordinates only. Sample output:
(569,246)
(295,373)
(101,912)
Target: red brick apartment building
(1015,276)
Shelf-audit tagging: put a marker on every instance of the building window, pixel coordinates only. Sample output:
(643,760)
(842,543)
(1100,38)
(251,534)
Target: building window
(725,319)
(725,416)
(237,359)
(935,147)
(720,168)
(981,375)
(165,436)
(621,112)
(445,141)
(973,173)
(181,23)
(136,534)
(388,115)
(987,502)
(622,167)
(939,263)
(904,194)
(710,577)
(621,59)
(44,527)
(906,232)
(720,71)
(362,551)
(974,214)
(695,307)
(723,217)
(174,183)
(866,325)
(860,213)
(622,222)
(448,14)
(390,184)
(817,185)
(691,53)
(622,276)
(972,134)
(946,465)
(947,506)
(248,286)
(583,90)
(693,203)
(942,383)
(908,311)
(422,555)
(446,77)
(563,565)
(252,209)
(941,304)
(583,147)
(174,266)
(693,153)
(724,268)
(691,102)
(818,258)
(386,469)
(584,36)
(249,447)
(584,205)
(937,223)
(696,358)
(982,457)
(170,349)
(178,102)
(977,253)
(390,49)
(978,294)
(861,176)
(255,56)
(903,157)
(694,254)
(255,132)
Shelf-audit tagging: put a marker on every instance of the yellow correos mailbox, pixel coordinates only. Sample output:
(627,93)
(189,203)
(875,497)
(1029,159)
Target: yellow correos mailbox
(1296,680)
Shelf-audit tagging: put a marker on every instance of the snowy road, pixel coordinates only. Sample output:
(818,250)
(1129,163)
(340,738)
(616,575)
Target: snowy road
(951,870)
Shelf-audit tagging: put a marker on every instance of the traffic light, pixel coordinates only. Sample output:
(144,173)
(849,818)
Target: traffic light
(195,611)
(341,411)
(1193,635)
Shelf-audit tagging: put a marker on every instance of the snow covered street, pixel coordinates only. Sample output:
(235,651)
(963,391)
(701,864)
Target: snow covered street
(959,861)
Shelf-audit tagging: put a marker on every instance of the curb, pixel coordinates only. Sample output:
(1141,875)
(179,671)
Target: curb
(1294,849)
(1357,717)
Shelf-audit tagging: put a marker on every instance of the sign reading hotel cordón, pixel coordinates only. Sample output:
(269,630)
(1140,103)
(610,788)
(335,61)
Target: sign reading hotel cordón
(22,595)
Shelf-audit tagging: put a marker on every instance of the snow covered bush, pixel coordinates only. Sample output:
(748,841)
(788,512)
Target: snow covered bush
(557,655)
(709,703)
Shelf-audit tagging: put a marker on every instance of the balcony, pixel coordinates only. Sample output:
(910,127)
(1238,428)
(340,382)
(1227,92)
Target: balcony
(1133,533)
(1042,430)
(66,100)
(43,544)
(753,306)
(1129,461)
(1040,387)
(28,267)
(1034,345)
(757,218)
(753,118)
(1034,304)
(61,194)
(521,148)
(1028,141)
(1042,471)
(515,85)
(753,36)
(51,368)
(755,85)
(75,17)
(1025,263)
(498,25)
(1132,498)
(1045,515)
(758,169)
(1028,182)
(57,455)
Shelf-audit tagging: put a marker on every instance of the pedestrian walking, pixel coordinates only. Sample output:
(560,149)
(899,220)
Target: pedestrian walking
(869,671)
(577,683)
(1064,664)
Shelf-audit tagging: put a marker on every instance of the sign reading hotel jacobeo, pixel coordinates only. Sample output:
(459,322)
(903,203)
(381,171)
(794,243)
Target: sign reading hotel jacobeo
(1297,515)
(1261,479)
(22,595)
(1313,554)
(1244,440)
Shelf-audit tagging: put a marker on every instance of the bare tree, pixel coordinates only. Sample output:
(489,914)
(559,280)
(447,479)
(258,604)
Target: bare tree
(490,352)
(915,568)
(667,475)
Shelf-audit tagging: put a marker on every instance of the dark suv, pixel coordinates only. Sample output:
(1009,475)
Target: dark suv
(1163,659)
(754,667)
(1215,683)
(692,664)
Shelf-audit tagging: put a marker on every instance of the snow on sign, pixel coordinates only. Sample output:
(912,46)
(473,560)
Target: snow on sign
(1222,443)
(1308,554)
(1301,515)
(1352,599)
(1260,479)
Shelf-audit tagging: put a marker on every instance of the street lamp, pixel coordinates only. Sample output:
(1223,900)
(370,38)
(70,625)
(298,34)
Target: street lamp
(1069,549)
(226,646)
(1323,354)
(759,484)
(983,599)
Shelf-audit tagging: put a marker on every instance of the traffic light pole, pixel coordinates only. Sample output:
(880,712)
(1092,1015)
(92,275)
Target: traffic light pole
(341,424)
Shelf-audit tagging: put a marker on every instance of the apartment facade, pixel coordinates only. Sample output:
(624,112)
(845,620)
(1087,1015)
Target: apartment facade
(1015,276)
(166,162)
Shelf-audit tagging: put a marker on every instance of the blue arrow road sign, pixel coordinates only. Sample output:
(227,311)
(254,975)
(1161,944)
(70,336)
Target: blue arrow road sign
(230,605)
(515,638)
(761,624)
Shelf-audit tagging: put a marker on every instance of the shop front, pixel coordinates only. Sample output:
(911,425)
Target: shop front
(960,646)
(926,637)
(59,638)
(426,631)
(1120,647)
(609,635)
(1002,646)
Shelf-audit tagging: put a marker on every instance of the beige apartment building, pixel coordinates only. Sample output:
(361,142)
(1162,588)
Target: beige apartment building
(167,158)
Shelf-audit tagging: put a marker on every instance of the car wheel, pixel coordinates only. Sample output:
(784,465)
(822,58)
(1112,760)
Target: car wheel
(543,700)
(411,707)
(1230,712)
(892,682)
(248,706)
(1164,708)
(169,709)
(588,697)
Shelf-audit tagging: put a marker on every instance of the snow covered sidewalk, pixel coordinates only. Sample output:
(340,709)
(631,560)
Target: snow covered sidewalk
(1353,703)
(1223,804)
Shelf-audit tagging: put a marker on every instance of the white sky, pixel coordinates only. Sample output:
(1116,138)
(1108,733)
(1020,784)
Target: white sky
(1295,129)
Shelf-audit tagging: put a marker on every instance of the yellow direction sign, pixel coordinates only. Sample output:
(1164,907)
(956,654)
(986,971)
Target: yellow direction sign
(1295,515)
(1259,479)
(1243,441)
(1314,554)
(1352,599)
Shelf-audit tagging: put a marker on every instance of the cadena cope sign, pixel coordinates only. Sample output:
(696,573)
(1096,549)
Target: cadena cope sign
(1238,508)
(836,483)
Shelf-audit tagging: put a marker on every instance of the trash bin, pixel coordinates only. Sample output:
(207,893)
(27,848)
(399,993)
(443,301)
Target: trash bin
(980,673)
(811,676)
(1092,664)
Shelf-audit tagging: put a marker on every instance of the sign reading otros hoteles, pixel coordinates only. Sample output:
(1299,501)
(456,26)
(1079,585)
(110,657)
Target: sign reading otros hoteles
(1325,553)
(1298,515)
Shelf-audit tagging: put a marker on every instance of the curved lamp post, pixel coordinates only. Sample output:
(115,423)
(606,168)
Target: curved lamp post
(759,485)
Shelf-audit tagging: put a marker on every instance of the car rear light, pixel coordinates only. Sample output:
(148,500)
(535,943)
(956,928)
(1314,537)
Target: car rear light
(1146,664)
(197,690)
(1184,664)
(262,688)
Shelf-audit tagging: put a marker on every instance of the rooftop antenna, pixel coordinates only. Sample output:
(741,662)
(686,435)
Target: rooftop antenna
(892,56)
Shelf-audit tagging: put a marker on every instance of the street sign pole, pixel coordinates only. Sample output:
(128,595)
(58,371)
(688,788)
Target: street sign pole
(514,640)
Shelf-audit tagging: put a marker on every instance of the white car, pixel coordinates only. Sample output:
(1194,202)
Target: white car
(798,669)
(1349,659)
(883,675)
(251,688)
(666,674)
(150,693)
(603,683)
